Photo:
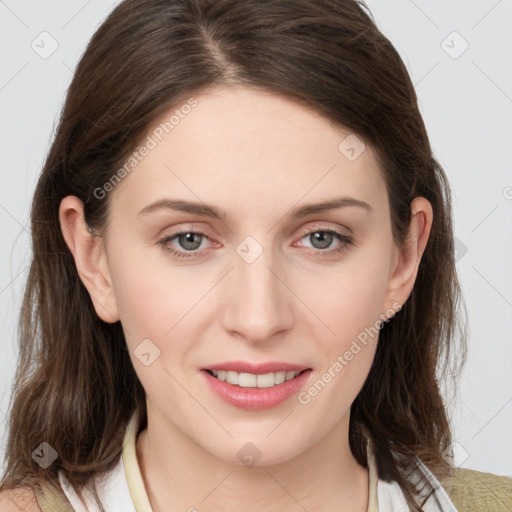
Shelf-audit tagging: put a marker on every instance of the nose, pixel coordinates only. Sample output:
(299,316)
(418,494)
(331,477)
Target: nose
(258,303)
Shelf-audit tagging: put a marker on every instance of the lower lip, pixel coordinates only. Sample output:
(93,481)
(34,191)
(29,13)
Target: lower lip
(256,399)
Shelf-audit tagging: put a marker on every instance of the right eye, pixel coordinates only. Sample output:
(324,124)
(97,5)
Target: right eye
(190,242)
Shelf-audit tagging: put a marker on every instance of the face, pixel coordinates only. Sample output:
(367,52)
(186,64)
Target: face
(264,282)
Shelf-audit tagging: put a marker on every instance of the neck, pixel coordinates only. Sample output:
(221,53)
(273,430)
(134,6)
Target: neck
(180,475)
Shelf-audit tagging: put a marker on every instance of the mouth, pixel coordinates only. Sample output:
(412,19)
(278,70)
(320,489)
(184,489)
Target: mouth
(253,380)
(256,387)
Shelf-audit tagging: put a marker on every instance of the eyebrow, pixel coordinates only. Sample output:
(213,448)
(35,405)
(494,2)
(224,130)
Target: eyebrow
(216,213)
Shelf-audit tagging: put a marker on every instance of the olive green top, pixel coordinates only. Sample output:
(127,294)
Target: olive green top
(479,492)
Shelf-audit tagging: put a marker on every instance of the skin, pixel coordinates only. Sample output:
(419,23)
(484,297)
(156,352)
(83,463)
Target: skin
(257,156)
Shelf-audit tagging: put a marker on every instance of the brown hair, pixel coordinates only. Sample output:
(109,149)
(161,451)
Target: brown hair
(75,386)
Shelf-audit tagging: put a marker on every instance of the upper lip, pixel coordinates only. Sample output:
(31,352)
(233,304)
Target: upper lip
(257,368)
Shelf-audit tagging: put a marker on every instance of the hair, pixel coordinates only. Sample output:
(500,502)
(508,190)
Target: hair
(75,386)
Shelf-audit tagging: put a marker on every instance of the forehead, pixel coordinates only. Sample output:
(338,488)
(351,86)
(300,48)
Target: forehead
(249,150)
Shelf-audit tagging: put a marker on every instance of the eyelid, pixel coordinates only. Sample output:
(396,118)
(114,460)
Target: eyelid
(342,231)
(344,242)
(317,226)
(327,226)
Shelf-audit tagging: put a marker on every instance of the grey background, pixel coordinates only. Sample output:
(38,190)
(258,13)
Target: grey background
(465,98)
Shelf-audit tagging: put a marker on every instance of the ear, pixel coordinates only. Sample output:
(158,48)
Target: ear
(90,258)
(407,258)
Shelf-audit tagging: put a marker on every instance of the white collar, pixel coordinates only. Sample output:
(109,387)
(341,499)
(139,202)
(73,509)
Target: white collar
(122,488)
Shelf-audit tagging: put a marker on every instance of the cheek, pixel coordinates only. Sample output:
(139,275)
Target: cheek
(151,295)
(153,302)
(349,298)
(347,349)
(349,308)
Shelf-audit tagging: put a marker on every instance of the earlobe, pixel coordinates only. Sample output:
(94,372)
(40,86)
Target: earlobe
(90,258)
(408,257)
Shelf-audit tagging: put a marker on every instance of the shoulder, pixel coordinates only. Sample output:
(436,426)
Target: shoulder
(17,500)
(473,490)
(26,499)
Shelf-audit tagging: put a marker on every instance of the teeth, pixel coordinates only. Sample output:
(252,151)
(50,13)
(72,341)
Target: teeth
(250,380)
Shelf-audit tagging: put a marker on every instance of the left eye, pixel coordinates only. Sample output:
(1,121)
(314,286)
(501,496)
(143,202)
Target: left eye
(322,239)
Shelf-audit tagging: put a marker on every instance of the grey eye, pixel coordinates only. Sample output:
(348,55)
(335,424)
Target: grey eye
(190,241)
(321,239)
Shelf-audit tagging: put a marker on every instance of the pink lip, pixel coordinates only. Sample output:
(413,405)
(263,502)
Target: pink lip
(257,369)
(256,399)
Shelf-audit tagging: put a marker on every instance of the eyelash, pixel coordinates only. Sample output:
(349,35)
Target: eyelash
(319,253)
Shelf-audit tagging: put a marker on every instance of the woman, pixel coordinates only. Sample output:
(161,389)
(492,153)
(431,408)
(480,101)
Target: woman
(243,280)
